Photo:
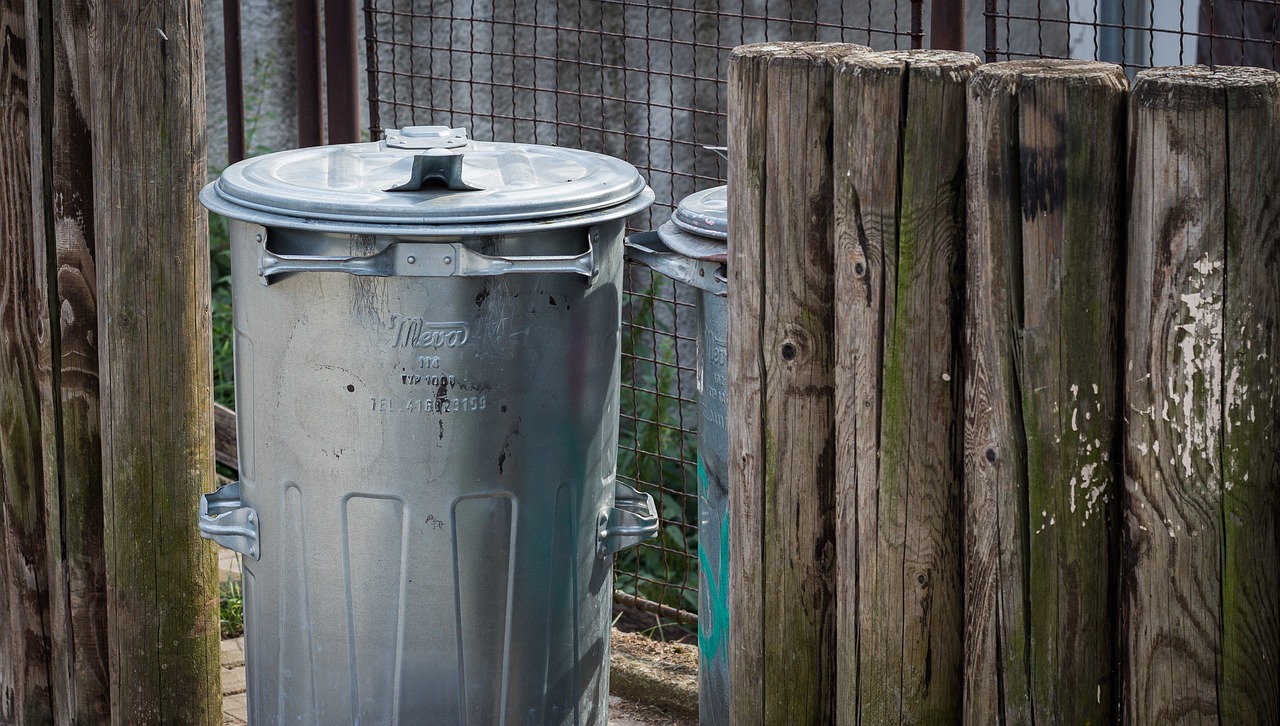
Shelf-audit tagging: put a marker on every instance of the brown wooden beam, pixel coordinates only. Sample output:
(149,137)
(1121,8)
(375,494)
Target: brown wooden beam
(306,25)
(148,120)
(342,71)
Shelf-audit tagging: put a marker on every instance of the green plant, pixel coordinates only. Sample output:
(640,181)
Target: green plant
(231,606)
(657,452)
(223,331)
(263,69)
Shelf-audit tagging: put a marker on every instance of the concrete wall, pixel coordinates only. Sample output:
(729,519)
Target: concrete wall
(270,104)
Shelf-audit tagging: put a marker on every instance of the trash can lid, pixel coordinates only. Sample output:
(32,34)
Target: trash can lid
(700,227)
(705,213)
(425,175)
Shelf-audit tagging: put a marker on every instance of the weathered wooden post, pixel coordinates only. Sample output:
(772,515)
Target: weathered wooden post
(1200,585)
(1047,144)
(147,122)
(53,639)
(27,418)
(78,608)
(781,433)
(900,174)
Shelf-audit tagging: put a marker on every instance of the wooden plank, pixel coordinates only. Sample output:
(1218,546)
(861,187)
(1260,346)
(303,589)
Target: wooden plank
(78,607)
(224,436)
(147,120)
(1042,433)
(1072,153)
(868,140)
(782,557)
(1250,677)
(26,391)
(746,190)
(996,679)
(900,450)
(1198,606)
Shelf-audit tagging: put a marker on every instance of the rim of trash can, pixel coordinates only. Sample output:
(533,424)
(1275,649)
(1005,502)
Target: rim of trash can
(705,213)
(467,182)
(215,202)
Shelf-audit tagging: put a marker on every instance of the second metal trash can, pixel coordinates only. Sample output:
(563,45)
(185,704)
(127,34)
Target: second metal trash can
(427,337)
(692,248)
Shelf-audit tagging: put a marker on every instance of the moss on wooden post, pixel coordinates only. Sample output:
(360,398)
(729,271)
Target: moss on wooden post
(1046,179)
(1200,589)
(147,121)
(782,477)
(900,147)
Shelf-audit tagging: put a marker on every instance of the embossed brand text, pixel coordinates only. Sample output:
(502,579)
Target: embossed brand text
(414,332)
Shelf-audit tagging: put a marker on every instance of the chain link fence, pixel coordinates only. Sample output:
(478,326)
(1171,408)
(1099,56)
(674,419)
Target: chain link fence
(1137,33)
(646,82)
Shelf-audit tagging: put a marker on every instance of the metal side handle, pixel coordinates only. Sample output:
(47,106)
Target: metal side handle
(225,520)
(648,249)
(632,520)
(430,259)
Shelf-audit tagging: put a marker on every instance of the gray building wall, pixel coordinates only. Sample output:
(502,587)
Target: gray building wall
(270,101)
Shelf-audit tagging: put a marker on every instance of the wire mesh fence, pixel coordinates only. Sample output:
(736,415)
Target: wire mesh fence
(646,82)
(1137,33)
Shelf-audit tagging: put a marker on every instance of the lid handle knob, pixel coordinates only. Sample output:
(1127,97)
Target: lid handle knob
(426,137)
(436,165)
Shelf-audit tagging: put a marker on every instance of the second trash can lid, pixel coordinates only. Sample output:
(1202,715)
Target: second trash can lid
(426,175)
(700,227)
(705,213)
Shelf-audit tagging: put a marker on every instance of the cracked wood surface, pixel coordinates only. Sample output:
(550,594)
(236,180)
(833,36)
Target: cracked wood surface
(27,419)
(147,101)
(781,350)
(1046,171)
(900,146)
(1200,598)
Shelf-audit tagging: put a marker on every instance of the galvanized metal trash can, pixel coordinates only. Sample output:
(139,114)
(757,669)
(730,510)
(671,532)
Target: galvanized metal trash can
(692,248)
(427,354)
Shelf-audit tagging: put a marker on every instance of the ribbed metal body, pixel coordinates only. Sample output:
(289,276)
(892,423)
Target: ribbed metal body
(427,353)
(427,459)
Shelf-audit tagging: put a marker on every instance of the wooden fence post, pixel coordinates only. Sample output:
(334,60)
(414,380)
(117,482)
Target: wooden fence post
(1200,587)
(900,149)
(78,609)
(147,122)
(1047,144)
(782,475)
(27,420)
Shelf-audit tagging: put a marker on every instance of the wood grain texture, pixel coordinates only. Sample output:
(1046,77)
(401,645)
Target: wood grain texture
(868,139)
(224,437)
(996,676)
(1199,618)
(65,203)
(782,475)
(746,190)
(147,122)
(1046,171)
(1250,677)
(26,391)
(899,300)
